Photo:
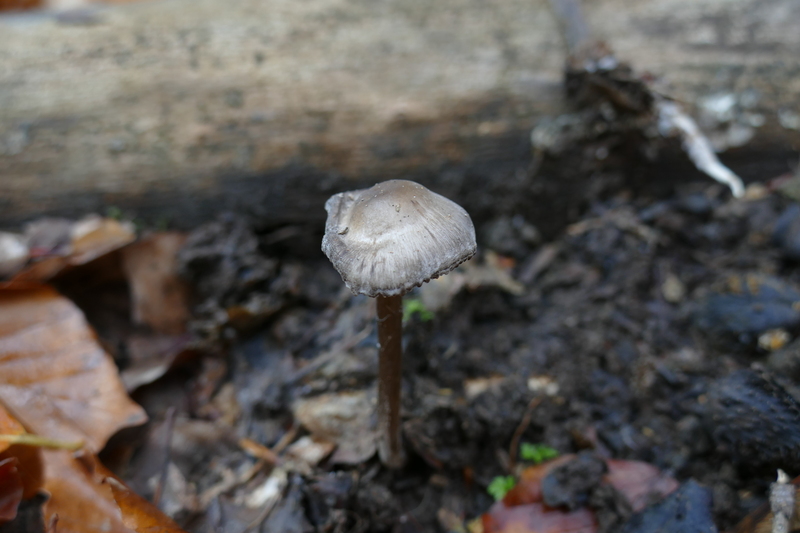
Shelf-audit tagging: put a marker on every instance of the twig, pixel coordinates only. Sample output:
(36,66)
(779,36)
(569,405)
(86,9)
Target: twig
(344,346)
(265,512)
(162,480)
(523,425)
(259,451)
(287,439)
(28,439)
(262,516)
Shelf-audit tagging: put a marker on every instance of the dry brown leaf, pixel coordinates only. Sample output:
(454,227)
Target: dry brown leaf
(56,379)
(343,418)
(89,239)
(41,270)
(94,236)
(137,513)
(8,426)
(83,503)
(151,356)
(29,466)
(159,294)
(11,489)
(59,383)
(88,498)
(14,5)
(638,481)
(529,487)
(522,510)
(536,518)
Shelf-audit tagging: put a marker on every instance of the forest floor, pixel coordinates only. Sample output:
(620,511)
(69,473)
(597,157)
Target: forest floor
(649,330)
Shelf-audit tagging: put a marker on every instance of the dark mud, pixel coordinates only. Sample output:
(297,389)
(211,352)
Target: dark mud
(653,329)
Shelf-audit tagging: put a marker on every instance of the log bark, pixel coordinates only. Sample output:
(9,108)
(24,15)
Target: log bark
(181,108)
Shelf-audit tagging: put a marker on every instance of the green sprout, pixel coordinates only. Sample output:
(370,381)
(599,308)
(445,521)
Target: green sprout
(537,453)
(500,486)
(414,306)
(162,224)
(114,212)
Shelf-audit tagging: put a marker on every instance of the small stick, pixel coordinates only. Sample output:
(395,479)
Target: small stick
(28,439)
(162,480)
(259,451)
(287,439)
(523,425)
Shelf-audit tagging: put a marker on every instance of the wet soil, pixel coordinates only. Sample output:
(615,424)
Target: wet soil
(651,328)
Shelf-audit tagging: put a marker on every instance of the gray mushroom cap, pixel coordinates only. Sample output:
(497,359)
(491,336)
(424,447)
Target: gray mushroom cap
(395,236)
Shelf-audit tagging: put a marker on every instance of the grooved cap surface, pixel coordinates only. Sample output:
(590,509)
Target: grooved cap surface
(395,236)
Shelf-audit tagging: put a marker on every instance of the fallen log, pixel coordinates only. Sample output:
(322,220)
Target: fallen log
(177,109)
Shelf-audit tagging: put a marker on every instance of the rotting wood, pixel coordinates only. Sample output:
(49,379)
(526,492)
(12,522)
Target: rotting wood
(180,108)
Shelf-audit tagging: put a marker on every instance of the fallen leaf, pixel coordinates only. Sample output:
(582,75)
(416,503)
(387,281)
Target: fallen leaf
(529,487)
(159,295)
(14,5)
(41,270)
(13,253)
(88,498)
(8,426)
(493,271)
(137,513)
(87,239)
(48,236)
(522,510)
(269,492)
(77,495)
(638,481)
(536,518)
(11,489)
(94,236)
(29,460)
(57,380)
(310,450)
(152,355)
(345,419)
(31,467)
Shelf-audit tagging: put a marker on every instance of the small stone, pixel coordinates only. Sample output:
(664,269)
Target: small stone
(687,510)
(673,289)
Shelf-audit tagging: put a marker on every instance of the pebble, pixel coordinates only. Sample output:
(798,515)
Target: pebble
(755,419)
(687,510)
(747,307)
(786,234)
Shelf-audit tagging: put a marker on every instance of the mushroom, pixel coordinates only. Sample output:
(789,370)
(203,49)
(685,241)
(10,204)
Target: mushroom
(384,241)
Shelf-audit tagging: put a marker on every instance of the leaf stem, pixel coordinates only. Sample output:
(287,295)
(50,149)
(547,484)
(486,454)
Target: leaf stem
(29,439)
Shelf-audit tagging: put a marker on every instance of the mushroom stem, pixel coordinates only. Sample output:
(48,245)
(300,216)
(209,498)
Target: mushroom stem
(390,365)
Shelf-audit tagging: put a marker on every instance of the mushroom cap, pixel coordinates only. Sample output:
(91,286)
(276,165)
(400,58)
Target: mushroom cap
(395,236)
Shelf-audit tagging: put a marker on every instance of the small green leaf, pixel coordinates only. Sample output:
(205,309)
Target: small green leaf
(414,306)
(537,453)
(114,212)
(500,486)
